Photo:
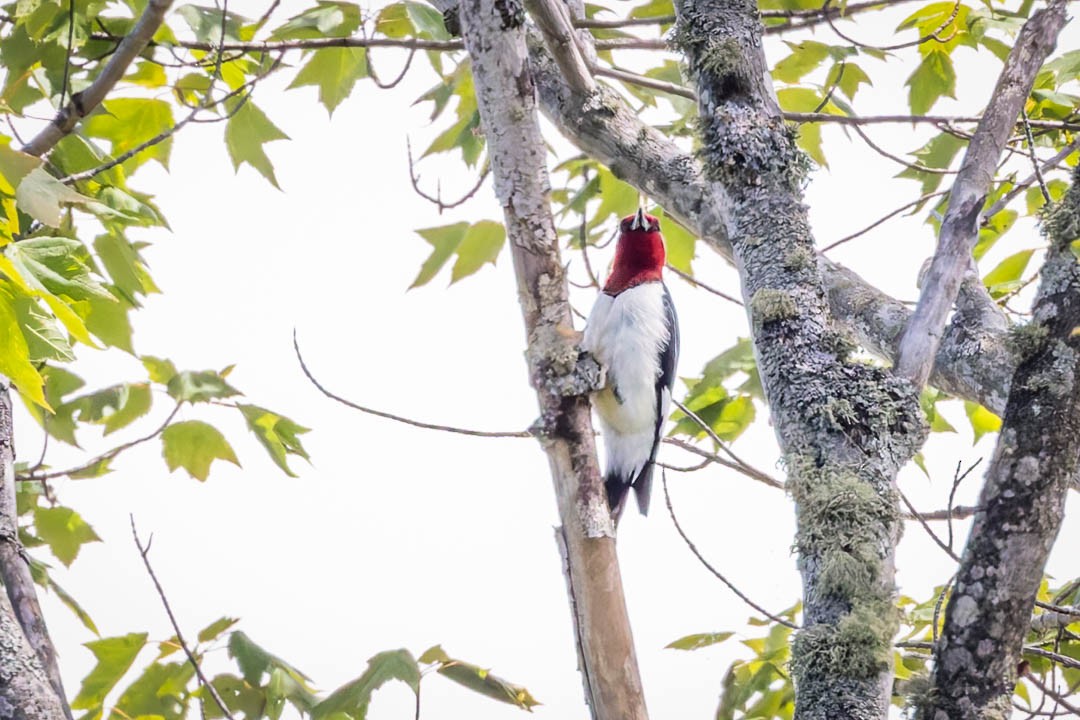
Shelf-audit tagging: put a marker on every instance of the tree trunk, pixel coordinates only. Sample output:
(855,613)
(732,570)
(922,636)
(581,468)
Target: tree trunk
(845,428)
(26,692)
(495,38)
(1023,500)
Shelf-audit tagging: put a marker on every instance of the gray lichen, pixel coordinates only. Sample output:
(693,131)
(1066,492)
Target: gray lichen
(768,306)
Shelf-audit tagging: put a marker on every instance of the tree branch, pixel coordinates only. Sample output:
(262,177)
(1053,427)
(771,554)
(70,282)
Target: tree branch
(495,38)
(29,675)
(973,363)
(1022,502)
(553,19)
(960,228)
(85,102)
(144,551)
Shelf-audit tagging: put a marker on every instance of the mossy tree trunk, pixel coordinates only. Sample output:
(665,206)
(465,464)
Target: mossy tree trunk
(845,428)
(1023,500)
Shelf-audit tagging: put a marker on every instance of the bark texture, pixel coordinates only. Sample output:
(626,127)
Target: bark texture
(494,35)
(973,361)
(960,227)
(26,690)
(1023,500)
(845,428)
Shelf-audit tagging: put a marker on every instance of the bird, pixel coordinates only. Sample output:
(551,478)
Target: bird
(633,332)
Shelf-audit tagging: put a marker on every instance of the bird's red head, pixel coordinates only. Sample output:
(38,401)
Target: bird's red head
(639,254)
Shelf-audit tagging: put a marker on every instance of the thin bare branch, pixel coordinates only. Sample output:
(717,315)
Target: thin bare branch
(144,551)
(933,35)
(105,457)
(708,566)
(436,199)
(85,102)
(399,418)
(914,120)
(698,283)
(929,531)
(642,81)
(740,466)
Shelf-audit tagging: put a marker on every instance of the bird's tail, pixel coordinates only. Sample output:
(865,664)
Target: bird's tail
(618,488)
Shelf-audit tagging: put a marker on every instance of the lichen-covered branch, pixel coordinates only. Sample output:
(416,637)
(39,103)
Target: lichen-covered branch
(973,361)
(30,686)
(1023,500)
(960,227)
(494,35)
(85,102)
(845,427)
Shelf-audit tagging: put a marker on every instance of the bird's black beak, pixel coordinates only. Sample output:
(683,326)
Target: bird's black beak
(640,223)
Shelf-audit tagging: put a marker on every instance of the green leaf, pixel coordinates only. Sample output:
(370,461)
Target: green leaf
(156,692)
(279,435)
(353,697)
(335,72)
(42,196)
(1006,277)
(44,339)
(482,243)
(114,656)
(434,654)
(482,681)
(135,403)
(124,265)
(679,243)
(474,246)
(129,122)
(934,78)
(616,198)
(326,19)
(64,531)
(804,58)
(15,353)
(194,445)
(14,166)
(109,322)
(73,606)
(161,370)
(192,386)
(700,640)
(56,265)
(983,421)
(214,630)
(245,134)
(929,400)
(254,661)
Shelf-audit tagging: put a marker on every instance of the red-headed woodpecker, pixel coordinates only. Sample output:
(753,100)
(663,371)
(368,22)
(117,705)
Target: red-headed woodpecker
(633,332)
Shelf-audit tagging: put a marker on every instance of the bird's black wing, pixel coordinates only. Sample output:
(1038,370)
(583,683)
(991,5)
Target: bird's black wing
(665,383)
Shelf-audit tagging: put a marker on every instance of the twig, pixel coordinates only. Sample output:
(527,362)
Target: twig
(83,103)
(1052,656)
(934,35)
(882,220)
(1034,157)
(747,470)
(1057,697)
(693,548)
(694,281)
(203,680)
(396,81)
(39,477)
(716,438)
(398,418)
(642,81)
(802,117)
(437,198)
(958,478)
(937,608)
(911,508)
(906,163)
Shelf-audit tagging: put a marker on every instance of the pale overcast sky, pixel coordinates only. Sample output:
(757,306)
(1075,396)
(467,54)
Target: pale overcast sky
(399,537)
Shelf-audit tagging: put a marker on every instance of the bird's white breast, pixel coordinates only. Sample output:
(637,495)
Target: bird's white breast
(626,334)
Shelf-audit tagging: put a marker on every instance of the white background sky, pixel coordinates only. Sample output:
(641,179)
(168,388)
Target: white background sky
(398,537)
